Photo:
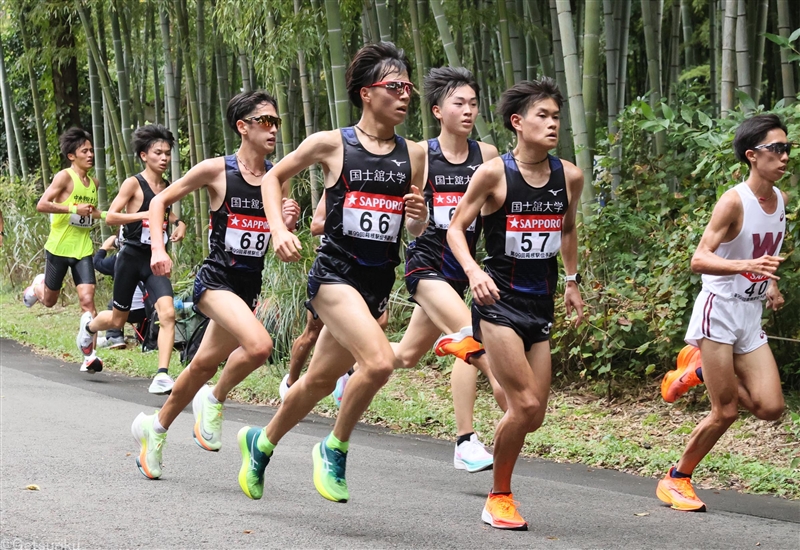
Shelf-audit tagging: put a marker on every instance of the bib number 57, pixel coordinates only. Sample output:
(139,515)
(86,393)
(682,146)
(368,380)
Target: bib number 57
(527,241)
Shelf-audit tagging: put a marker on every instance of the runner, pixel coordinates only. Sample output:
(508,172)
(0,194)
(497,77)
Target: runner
(153,145)
(434,278)
(104,264)
(227,285)
(737,257)
(372,179)
(71,201)
(528,200)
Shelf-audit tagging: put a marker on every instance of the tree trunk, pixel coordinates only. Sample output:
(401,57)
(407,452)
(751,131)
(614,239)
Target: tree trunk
(372,21)
(98,134)
(565,144)
(713,58)
(758,58)
(686,17)
(247,85)
(517,51)
(37,104)
(542,43)
(221,60)
(742,51)
(202,80)
(578,119)
(308,116)
(122,85)
(787,67)
(338,65)
(283,105)
(131,74)
(326,64)
(728,59)
(622,71)
(505,41)
(674,52)
(171,96)
(384,21)
(591,67)
(419,56)
(8,106)
(64,70)
(452,58)
(531,53)
(653,67)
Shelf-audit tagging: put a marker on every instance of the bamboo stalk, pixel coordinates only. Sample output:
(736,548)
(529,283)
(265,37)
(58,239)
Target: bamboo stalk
(758,56)
(37,103)
(338,66)
(419,59)
(744,82)
(565,144)
(787,67)
(728,58)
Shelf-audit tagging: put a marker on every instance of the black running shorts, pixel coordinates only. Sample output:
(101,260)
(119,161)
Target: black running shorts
(132,266)
(245,284)
(530,317)
(55,269)
(373,283)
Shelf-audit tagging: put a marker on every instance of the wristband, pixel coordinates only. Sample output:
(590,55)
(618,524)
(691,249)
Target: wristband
(73,209)
(103,215)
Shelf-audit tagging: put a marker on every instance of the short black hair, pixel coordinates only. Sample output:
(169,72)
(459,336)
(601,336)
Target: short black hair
(245,103)
(144,137)
(752,131)
(440,83)
(371,64)
(519,97)
(73,138)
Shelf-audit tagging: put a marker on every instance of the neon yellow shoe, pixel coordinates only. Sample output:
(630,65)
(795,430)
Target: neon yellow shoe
(329,470)
(151,445)
(254,462)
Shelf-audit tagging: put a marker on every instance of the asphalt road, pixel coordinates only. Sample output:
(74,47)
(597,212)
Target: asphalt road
(69,433)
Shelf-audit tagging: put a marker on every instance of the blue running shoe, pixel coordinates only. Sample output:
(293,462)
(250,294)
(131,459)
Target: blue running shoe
(254,462)
(329,469)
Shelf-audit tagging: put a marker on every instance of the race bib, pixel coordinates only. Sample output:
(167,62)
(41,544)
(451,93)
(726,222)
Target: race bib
(751,287)
(247,235)
(444,206)
(372,217)
(533,237)
(145,237)
(76,220)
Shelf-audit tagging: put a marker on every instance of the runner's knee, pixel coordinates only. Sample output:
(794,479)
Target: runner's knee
(771,411)
(725,415)
(260,351)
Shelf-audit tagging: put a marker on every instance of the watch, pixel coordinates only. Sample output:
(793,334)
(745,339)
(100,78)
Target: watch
(575,278)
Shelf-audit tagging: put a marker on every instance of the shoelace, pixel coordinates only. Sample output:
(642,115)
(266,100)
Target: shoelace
(506,505)
(338,465)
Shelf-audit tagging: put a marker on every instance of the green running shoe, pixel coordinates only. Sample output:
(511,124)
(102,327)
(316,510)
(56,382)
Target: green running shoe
(254,462)
(329,469)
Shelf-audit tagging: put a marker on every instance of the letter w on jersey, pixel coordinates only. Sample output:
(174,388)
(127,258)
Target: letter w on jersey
(767,245)
(371,216)
(444,206)
(247,235)
(533,237)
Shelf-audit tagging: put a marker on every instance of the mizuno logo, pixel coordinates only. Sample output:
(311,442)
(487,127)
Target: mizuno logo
(398,162)
(473,167)
(555,192)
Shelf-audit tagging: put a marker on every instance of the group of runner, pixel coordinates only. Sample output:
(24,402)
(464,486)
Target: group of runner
(445,191)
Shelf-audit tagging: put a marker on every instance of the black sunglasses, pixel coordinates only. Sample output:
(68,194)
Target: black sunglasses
(265,120)
(778,148)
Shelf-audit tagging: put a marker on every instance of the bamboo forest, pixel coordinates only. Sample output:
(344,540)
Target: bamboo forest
(653,90)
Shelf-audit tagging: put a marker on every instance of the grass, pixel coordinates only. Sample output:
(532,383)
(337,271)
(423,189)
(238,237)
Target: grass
(633,431)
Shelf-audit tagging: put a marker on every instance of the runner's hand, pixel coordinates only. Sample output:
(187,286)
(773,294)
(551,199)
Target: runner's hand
(85,210)
(484,290)
(416,209)
(286,245)
(291,212)
(573,302)
(160,263)
(178,233)
(774,297)
(765,265)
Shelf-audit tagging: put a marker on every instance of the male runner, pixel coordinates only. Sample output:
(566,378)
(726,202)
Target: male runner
(738,258)
(71,201)
(227,285)
(528,200)
(372,180)
(434,277)
(153,145)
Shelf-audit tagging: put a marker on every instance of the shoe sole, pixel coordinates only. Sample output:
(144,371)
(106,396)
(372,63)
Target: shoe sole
(316,453)
(118,346)
(487,518)
(665,497)
(461,465)
(139,438)
(94,366)
(241,437)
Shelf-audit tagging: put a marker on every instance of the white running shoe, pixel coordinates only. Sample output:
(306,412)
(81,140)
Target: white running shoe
(162,384)
(91,364)
(29,296)
(472,456)
(151,445)
(207,420)
(284,387)
(85,340)
(115,342)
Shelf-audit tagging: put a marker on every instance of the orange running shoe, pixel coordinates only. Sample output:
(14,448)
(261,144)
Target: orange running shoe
(461,344)
(500,511)
(679,493)
(677,382)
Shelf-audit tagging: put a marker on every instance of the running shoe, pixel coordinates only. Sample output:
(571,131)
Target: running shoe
(254,462)
(329,470)
(92,364)
(284,387)
(114,342)
(677,382)
(461,344)
(207,420)
(679,493)
(472,456)
(29,296)
(85,340)
(161,384)
(338,391)
(151,445)
(500,511)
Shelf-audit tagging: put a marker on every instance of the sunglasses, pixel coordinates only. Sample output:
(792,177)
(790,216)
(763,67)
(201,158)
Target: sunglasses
(396,86)
(265,120)
(777,148)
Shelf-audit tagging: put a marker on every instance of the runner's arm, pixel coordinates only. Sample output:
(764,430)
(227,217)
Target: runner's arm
(417,213)
(728,213)
(318,221)
(115,216)
(48,205)
(569,240)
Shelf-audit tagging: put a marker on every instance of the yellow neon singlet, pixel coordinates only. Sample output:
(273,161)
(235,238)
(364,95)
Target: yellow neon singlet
(69,233)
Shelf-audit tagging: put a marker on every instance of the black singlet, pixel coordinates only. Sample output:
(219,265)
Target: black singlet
(239,233)
(523,237)
(137,234)
(365,206)
(447,183)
